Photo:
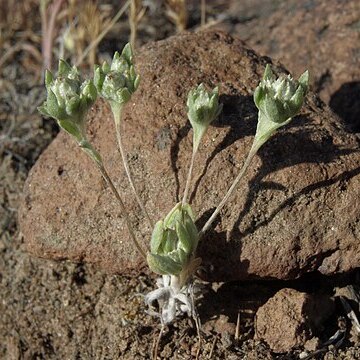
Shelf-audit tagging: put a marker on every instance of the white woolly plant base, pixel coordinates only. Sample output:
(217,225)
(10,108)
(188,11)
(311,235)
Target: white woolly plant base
(172,298)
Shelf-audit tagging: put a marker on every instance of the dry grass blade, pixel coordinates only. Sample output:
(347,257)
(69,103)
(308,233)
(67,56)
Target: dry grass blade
(86,23)
(177,12)
(137,11)
(203,12)
(96,41)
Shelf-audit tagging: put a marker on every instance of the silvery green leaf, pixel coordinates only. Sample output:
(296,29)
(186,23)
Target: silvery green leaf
(48,77)
(123,96)
(304,80)
(185,241)
(89,91)
(70,127)
(106,67)
(268,73)
(53,107)
(183,257)
(170,242)
(72,105)
(127,53)
(99,77)
(172,216)
(187,208)
(192,232)
(43,110)
(64,68)
(136,82)
(157,237)
(163,265)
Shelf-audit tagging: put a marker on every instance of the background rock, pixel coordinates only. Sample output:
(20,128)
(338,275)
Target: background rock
(320,35)
(296,211)
(289,318)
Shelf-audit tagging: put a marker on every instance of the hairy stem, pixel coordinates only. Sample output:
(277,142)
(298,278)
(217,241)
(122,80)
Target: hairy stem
(188,180)
(96,157)
(116,109)
(255,147)
(122,207)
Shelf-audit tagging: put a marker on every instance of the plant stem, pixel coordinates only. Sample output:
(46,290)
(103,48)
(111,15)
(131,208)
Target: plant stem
(255,147)
(188,180)
(116,110)
(122,206)
(96,158)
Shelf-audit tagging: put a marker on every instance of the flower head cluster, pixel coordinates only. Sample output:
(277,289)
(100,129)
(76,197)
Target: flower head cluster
(278,100)
(68,99)
(203,109)
(118,81)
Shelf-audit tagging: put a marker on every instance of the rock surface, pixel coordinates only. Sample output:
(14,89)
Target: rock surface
(289,318)
(320,35)
(296,211)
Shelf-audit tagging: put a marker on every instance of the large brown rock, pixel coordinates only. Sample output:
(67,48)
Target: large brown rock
(290,318)
(296,211)
(320,35)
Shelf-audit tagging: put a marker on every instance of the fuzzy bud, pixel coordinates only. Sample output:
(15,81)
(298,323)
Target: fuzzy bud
(173,242)
(203,108)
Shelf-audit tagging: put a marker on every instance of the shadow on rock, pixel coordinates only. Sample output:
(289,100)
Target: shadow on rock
(346,104)
(239,112)
(217,252)
(174,154)
(244,298)
(291,148)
